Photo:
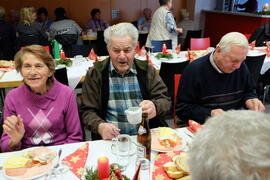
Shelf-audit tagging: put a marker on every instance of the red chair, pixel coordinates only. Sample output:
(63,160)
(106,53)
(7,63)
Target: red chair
(248,35)
(199,43)
(177,78)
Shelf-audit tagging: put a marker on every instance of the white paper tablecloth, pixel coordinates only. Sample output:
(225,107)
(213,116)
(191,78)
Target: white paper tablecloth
(96,149)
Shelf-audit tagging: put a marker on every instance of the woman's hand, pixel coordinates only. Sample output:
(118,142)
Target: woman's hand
(14,128)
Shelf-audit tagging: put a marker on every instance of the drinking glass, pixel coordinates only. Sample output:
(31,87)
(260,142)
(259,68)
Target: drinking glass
(144,173)
(121,148)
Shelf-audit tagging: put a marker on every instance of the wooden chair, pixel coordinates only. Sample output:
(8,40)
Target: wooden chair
(199,43)
(157,45)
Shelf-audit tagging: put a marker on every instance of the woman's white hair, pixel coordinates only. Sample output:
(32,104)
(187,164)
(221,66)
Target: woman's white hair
(121,29)
(232,146)
(232,39)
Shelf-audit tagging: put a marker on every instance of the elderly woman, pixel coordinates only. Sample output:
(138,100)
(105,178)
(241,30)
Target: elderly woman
(41,111)
(96,23)
(29,31)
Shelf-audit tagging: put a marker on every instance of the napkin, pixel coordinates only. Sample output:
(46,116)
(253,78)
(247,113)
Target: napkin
(160,160)
(138,48)
(193,126)
(92,55)
(178,49)
(267,50)
(149,60)
(76,160)
(252,45)
(143,51)
(189,56)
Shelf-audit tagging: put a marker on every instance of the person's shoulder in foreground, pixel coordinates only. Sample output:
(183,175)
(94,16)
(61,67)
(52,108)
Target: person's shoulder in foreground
(233,145)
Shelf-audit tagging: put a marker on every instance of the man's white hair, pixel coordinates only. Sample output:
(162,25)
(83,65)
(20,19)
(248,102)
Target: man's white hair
(232,39)
(121,29)
(232,146)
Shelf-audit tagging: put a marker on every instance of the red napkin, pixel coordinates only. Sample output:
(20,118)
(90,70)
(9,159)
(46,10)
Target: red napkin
(76,160)
(149,60)
(143,51)
(138,48)
(160,160)
(164,49)
(178,49)
(189,56)
(267,52)
(252,45)
(62,54)
(194,126)
(92,55)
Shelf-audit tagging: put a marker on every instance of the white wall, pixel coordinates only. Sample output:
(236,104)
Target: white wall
(195,8)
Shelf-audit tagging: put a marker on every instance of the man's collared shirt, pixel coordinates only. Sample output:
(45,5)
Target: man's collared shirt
(124,92)
(214,64)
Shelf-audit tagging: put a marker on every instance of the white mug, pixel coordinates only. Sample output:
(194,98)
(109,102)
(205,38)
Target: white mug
(134,114)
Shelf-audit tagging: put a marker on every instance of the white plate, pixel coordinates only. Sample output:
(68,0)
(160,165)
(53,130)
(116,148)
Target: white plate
(49,166)
(133,149)
(156,146)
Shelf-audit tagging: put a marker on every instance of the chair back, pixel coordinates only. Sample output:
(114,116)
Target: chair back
(26,39)
(191,34)
(135,23)
(61,75)
(47,48)
(199,43)
(167,72)
(80,50)
(101,46)
(142,39)
(157,45)
(254,64)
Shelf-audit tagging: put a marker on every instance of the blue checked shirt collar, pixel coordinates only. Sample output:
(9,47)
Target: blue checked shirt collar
(114,71)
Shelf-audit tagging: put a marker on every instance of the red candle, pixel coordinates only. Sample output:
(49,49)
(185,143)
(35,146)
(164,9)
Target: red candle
(103,168)
(164,49)
(62,54)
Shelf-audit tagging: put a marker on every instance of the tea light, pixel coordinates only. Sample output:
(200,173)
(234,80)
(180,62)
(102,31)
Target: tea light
(103,167)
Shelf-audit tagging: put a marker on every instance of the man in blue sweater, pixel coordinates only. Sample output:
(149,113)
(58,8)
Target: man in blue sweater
(218,82)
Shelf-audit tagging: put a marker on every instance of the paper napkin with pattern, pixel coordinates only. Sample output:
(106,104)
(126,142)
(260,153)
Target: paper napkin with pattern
(160,160)
(76,160)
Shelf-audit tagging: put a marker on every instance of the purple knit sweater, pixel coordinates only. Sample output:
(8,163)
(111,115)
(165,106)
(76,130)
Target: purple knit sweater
(49,119)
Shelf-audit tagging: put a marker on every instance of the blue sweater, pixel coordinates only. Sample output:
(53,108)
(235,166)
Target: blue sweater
(203,89)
